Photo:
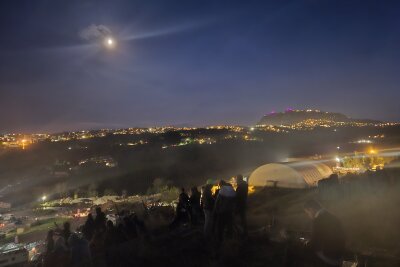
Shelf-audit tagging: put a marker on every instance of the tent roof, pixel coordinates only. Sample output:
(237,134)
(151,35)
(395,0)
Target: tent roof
(300,174)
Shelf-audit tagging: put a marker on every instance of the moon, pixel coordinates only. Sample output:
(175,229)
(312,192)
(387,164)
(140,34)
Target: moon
(109,42)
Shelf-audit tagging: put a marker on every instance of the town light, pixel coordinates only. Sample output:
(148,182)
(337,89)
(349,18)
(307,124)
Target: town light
(44,197)
(337,159)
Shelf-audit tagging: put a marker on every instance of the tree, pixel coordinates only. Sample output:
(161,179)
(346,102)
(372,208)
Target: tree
(165,188)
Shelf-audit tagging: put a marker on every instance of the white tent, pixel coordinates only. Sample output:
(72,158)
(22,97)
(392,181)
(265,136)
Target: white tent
(300,174)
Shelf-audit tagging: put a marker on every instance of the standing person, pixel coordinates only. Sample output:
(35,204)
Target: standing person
(183,198)
(194,201)
(207,200)
(100,220)
(89,227)
(327,243)
(49,257)
(110,243)
(224,208)
(141,228)
(79,251)
(242,192)
(50,241)
(183,205)
(60,254)
(110,238)
(130,227)
(65,232)
(97,248)
(182,212)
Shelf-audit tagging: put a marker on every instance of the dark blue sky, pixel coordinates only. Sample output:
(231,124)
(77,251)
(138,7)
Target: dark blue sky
(194,62)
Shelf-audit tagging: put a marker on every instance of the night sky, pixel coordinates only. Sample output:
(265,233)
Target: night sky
(194,62)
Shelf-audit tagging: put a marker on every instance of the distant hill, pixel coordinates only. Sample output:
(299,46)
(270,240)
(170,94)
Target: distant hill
(290,117)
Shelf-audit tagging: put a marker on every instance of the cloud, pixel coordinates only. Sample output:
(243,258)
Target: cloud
(94,32)
(173,29)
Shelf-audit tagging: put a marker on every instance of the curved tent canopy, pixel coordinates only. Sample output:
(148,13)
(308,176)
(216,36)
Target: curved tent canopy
(300,174)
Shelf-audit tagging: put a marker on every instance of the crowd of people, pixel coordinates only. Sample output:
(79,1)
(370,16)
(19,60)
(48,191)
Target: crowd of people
(225,209)
(93,243)
(219,209)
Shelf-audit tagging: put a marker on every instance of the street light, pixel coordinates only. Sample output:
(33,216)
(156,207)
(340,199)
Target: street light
(44,197)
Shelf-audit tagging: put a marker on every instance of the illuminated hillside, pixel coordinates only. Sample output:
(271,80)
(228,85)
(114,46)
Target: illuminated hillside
(293,117)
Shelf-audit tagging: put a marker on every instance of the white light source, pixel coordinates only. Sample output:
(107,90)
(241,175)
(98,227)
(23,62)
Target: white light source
(109,42)
(337,159)
(44,198)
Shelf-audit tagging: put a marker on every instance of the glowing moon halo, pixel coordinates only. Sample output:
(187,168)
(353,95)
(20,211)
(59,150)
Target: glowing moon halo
(109,42)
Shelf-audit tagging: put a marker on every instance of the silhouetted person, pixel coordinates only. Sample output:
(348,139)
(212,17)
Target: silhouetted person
(183,198)
(60,255)
(224,208)
(89,227)
(121,234)
(130,227)
(66,232)
(113,237)
(80,252)
(326,245)
(50,241)
(182,212)
(327,237)
(59,245)
(215,215)
(100,220)
(140,226)
(49,257)
(97,248)
(194,201)
(110,238)
(208,202)
(242,191)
